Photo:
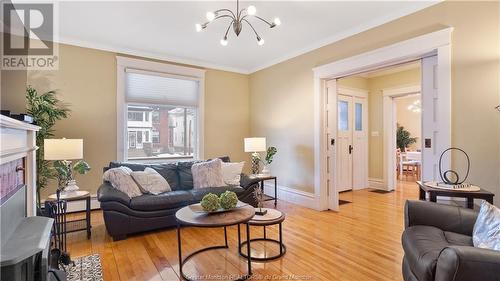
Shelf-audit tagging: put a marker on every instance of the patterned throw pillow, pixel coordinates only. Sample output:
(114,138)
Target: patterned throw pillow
(231,172)
(207,174)
(150,181)
(486,233)
(120,179)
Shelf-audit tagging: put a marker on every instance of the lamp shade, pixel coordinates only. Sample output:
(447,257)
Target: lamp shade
(63,149)
(255,144)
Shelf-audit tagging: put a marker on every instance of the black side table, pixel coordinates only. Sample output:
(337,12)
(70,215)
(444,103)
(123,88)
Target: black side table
(273,217)
(263,178)
(79,224)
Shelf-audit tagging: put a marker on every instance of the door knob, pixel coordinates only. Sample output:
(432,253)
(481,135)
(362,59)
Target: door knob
(350,149)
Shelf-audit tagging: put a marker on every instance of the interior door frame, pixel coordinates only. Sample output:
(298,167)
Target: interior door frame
(435,43)
(389,139)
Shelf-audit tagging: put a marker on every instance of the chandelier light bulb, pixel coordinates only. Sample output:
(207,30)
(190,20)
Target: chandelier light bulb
(260,41)
(223,42)
(198,27)
(210,16)
(277,21)
(251,10)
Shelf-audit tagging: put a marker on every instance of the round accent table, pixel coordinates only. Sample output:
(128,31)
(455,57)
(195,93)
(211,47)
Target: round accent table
(272,217)
(187,217)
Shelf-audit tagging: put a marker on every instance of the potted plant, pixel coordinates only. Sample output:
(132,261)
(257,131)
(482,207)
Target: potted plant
(45,109)
(403,138)
(271,151)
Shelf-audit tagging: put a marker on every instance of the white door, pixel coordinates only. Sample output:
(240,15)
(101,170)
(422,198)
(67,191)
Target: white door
(359,143)
(434,110)
(344,143)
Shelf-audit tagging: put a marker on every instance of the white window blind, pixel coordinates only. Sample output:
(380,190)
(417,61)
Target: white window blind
(159,88)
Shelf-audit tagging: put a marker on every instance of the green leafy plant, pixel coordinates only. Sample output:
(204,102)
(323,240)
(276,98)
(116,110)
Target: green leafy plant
(228,199)
(64,170)
(271,151)
(403,138)
(45,109)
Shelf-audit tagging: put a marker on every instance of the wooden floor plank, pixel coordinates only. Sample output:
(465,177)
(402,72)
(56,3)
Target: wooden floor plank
(361,242)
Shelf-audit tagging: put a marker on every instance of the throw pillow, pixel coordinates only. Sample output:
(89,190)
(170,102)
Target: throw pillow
(120,179)
(207,174)
(231,172)
(486,233)
(150,181)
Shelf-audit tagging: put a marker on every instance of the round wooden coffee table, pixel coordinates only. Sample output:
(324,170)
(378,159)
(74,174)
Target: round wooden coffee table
(187,217)
(272,217)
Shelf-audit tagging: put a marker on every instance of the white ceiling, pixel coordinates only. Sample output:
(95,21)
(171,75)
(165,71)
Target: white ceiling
(165,30)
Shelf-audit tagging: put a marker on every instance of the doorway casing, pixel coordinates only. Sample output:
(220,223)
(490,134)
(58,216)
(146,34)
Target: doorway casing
(435,43)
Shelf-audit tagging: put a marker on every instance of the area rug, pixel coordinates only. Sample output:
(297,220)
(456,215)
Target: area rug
(86,268)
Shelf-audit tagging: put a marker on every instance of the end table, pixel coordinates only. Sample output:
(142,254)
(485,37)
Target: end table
(263,178)
(76,225)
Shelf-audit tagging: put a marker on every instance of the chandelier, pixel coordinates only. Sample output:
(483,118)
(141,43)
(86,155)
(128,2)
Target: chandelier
(237,19)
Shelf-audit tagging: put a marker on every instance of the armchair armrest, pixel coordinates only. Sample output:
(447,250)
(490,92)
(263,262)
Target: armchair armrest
(107,193)
(445,217)
(461,263)
(246,182)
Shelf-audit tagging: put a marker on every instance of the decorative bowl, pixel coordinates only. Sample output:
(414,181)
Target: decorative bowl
(198,209)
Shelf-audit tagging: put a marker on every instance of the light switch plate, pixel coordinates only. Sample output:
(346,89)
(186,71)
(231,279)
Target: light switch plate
(375,134)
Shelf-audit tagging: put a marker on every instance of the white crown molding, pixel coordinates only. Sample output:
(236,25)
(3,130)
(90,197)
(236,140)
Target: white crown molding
(206,64)
(150,55)
(348,33)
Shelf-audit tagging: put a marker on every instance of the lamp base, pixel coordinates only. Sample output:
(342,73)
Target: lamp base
(255,162)
(71,187)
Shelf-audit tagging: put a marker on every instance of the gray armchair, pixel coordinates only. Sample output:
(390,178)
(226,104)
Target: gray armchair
(437,242)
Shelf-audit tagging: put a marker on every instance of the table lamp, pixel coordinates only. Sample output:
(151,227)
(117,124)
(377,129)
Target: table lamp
(255,145)
(64,150)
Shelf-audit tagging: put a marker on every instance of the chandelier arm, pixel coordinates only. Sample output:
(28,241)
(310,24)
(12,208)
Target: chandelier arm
(254,31)
(223,16)
(225,10)
(268,23)
(227,30)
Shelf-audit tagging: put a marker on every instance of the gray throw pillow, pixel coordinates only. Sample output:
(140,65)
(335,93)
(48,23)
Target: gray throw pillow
(121,179)
(486,233)
(208,174)
(150,181)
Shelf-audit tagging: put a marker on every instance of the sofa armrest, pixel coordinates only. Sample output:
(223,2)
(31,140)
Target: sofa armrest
(445,217)
(107,193)
(246,182)
(461,263)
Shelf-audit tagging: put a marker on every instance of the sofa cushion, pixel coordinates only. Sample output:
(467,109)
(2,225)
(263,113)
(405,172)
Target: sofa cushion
(199,193)
(423,244)
(185,175)
(167,200)
(167,170)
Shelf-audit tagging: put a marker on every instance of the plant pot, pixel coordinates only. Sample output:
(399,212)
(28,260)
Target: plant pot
(266,170)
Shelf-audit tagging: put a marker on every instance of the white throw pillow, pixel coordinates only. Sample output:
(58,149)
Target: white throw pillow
(231,172)
(120,179)
(207,174)
(150,181)
(486,233)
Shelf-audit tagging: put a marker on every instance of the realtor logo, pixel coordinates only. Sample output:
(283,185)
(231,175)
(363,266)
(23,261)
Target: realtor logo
(28,36)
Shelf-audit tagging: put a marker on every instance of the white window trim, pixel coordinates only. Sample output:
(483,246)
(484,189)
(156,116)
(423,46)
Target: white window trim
(122,63)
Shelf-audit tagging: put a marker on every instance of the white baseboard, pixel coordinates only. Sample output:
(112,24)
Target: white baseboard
(302,198)
(376,183)
(79,206)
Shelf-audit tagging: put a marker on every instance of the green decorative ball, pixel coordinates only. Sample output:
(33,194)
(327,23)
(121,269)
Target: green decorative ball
(228,200)
(210,202)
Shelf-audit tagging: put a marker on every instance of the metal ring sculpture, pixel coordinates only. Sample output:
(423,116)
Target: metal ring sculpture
(444,176)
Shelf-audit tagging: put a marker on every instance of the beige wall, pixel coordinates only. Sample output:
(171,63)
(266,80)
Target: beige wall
(410,120)
(282,95)
(86,80)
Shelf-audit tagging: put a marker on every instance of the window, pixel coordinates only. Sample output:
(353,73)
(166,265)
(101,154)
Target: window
(163,111)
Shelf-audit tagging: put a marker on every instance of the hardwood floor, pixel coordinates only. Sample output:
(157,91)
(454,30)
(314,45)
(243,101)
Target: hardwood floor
(361,242)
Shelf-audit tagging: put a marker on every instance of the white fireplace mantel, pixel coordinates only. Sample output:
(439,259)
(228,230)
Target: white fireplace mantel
(18,140)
